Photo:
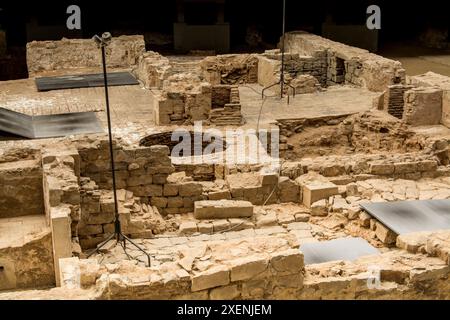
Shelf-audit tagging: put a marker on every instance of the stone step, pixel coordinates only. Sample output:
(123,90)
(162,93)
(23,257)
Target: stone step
(222,209)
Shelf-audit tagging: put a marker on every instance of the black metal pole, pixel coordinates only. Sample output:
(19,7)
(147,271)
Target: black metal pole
(113,169)
(282,51)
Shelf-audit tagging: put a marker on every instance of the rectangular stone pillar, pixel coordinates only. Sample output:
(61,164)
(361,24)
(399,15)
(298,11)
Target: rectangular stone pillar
(61,237)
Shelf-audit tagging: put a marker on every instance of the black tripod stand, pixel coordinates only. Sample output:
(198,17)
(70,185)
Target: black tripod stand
(103,42)
(282,82)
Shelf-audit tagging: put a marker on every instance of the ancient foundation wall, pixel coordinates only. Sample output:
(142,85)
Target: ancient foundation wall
(436,80)
(21,188)
(355,66)
(230,69)
(29,265)
(152,69)
(418,269)
(123,52)
(296,65)
(423,106)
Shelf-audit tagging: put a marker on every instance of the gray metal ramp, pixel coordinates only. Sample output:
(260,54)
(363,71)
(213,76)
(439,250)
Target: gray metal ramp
(347,249)
(48,126)
(411,216)
(84,81)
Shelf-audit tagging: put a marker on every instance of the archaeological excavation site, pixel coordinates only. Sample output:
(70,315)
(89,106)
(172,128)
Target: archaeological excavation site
(311,170)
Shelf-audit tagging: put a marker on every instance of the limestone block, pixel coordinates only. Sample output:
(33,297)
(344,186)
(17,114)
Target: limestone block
(175,202)
(423,106)
(135,181)
(190,189)
(247,267)
(268,178)
(205,227)
(87,230)
(267,220)
(405,167)
(289,191)
(61,237)
(412,242)
(213,277)
(381,168)
(170,190)
(384,234)
(427,165)
(221,225)
(220,209)
(351,189)
(159,202)
(187,228)
(319,208)
(302,217)
(219,195)
(225,293)
(70,274)
(339,204)
(99,218)
(160,178)
(288,261)
(313,191)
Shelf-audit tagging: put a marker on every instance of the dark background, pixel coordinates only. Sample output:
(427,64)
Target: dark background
(401,20)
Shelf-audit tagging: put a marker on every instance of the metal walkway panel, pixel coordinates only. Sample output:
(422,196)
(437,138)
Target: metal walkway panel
(65,124)
(16,123)
(411,216)
(48,126)
(84,81)
(347,249)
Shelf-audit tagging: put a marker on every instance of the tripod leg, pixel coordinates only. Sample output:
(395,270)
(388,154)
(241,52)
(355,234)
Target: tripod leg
(264,89)
(138,247)
(100,245)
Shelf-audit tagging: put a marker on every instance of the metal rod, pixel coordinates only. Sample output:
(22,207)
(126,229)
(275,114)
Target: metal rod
(282,51)
(111,151)
(282,82)
(120,237)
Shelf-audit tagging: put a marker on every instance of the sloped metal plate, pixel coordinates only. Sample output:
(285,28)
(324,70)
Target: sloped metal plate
(411,216)
(347,249)
(17,123)
(48,126)
(84,81)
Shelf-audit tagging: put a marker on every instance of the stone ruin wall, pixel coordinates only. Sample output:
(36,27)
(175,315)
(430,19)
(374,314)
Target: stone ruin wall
(419,270)
(361,68)
(431,79)
(46,56)
(21,188)
(422,101)
(231,69)
(296,65)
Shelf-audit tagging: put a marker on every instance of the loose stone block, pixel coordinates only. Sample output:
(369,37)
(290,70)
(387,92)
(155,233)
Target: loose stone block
(220,225)
(188,228)
(219,195)
(319,208)
(221,209)
(315,191)
(205,227)
(214,277)
(268,178)
(385,235)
